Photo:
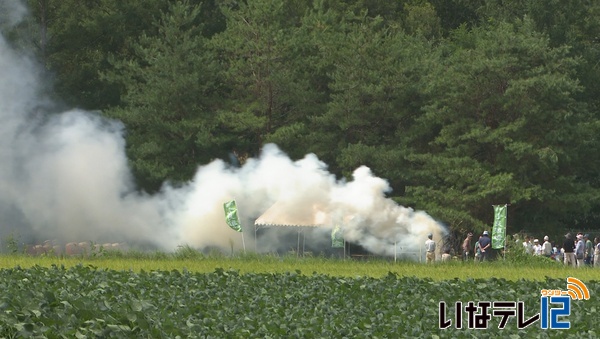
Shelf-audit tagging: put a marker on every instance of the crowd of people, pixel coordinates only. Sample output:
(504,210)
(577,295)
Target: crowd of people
(578,251)
(480,250)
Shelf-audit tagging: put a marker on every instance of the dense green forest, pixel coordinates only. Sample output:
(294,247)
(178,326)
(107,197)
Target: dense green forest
(460,104)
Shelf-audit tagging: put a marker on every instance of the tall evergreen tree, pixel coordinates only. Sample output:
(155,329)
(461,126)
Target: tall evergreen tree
(274,73)
(81,37)
(375,98)
(501,127)
(170,95)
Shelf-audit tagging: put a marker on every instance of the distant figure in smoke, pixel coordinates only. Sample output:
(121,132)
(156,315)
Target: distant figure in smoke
(233,160)
(430,248)
(484,244)
(446,256)
(466,246)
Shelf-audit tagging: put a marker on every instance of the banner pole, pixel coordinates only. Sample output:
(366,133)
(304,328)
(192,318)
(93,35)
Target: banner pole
(303,242)
(240,218)
(505,232)
(243,243)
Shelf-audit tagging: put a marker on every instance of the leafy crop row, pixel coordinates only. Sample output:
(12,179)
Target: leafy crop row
(86,301)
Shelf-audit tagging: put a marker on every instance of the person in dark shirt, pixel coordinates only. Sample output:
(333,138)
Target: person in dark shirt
(569,248)
(484,245)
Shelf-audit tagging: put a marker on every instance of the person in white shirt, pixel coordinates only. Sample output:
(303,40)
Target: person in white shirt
(527,245)
(537,248)
(446,256)
(559,254)
(430,248)
(547,247)
(579,249)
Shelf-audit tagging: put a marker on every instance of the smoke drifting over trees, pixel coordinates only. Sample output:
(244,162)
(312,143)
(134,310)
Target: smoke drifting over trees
(459,106)
(65,176)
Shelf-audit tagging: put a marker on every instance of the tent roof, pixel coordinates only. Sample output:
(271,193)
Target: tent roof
(292,215)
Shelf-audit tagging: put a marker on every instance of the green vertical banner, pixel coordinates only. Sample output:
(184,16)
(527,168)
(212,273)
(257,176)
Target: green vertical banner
(499,229)
(337,237)
(231,216)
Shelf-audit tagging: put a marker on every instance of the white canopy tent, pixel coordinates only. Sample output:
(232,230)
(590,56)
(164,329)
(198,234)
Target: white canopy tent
(289,214)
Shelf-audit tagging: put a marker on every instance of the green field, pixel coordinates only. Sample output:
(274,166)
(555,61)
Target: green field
(190,295)
(196,262)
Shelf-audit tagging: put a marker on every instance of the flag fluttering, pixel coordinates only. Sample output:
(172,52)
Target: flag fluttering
(231,216)
(499,228)
(337,237)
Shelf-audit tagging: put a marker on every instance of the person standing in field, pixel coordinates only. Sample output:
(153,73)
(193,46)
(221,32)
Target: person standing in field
(559,253)
(589,250)
(446,256)
(527,245)
(516,238)
(537,248)
(579,250)
(547,247)
(569,250)
(597,252)
(430,248)
(466,246)
(484,244)
(477,250)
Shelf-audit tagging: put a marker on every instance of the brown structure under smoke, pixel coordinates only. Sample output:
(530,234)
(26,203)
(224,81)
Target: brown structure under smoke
(84,248)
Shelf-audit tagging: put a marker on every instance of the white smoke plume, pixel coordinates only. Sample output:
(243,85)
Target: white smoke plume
(11,12)
(65,177)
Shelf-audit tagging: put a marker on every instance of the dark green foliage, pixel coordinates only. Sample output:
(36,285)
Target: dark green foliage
(169,99)
(75,39)
(84,301)
(274,73)
(81,37)
(500,128)
(375,97)
(460,104)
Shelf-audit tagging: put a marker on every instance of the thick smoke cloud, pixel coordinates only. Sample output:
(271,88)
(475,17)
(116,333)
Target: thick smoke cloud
(11,12)
(65,177)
